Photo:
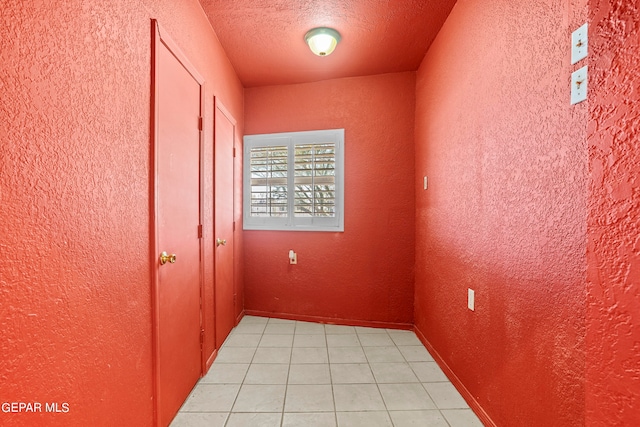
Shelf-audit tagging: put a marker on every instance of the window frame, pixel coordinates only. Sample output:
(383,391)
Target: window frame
(292,222)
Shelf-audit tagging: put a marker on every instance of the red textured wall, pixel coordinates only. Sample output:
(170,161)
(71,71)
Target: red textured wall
(505,212)
(613,309)
(364,274)
(75,299)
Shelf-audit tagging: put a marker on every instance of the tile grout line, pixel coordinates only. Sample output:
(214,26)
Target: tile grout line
(333,393)
(418,378)
(384,402)
(244,377)
(286,384)
(421,383)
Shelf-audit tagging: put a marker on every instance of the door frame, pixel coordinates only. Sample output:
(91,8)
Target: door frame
(160,37)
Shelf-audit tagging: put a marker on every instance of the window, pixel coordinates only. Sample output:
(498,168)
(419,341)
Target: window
(294,181)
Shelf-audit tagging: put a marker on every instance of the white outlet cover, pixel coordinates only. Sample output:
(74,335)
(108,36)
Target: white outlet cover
(579,44)
(471,299)
(579,85)
(425,182)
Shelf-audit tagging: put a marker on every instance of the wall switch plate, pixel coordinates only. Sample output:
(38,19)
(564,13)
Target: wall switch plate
(471,299)
(579,85)
(579,44)
(425,182)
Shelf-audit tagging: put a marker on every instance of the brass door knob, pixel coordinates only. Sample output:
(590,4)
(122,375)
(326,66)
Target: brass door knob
(164,258)
(222,242)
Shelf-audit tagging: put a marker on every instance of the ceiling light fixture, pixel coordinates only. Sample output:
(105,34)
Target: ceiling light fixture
(322,41)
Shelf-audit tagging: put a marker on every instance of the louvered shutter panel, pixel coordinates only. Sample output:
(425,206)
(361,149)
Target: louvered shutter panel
(269,173)
(315,180)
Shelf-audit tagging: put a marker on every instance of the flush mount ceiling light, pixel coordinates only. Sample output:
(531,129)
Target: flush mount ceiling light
(322,41)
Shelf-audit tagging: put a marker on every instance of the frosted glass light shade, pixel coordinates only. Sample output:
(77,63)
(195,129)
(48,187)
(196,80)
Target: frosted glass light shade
(322,41)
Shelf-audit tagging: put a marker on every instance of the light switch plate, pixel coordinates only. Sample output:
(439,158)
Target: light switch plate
(579,85)
(579,44)
(425,183)
(471,300)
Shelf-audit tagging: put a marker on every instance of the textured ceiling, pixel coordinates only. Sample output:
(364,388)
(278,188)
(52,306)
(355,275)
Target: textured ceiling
(264,39)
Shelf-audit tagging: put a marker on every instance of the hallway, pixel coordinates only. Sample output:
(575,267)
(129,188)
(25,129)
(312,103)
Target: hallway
(468,177)
(274,372)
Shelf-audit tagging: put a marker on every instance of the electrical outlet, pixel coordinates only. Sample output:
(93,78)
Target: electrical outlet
(471,299)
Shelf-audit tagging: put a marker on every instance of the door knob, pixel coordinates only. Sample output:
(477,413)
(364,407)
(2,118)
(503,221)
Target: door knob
(164,258)
(222,242)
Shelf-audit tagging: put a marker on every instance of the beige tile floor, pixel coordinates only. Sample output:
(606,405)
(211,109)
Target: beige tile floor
(284,373)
